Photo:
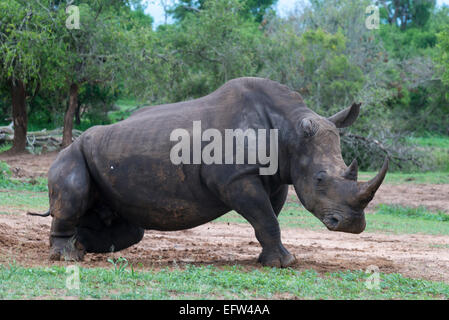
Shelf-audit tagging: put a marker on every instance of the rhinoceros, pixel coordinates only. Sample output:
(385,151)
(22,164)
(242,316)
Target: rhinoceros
(115,181)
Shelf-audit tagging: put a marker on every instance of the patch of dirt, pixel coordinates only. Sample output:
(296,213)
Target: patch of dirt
(27,165)
(432,196)
(25,240)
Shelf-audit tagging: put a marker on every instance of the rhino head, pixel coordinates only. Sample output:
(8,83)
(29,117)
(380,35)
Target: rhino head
(324,184)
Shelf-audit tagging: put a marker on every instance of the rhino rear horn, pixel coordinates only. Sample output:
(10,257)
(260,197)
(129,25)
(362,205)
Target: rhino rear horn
(352,172)
(368,189)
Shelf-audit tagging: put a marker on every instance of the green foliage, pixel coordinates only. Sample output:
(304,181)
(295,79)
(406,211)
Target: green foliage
(252,9)
(407,13)
(211,47)
(316,66)
(408,43)
(328,69)
(5,146)
(123,109)
(5,171)
(22,42)
(421,94)
(37,48)
(443,58)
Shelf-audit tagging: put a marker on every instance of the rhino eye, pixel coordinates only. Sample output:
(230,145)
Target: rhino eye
(320,176)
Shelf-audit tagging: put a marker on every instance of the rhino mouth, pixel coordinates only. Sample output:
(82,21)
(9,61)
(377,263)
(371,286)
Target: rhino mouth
(336,222)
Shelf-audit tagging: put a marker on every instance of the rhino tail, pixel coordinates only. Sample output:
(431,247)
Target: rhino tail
(46,214)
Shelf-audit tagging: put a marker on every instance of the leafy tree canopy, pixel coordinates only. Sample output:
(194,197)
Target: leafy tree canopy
(251,8)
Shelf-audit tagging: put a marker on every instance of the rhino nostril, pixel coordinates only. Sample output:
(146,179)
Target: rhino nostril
(333,221)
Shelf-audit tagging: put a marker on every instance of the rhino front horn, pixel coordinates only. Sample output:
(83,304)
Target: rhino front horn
(369,188)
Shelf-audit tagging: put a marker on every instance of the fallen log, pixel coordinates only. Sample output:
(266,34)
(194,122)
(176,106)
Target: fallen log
(47,140)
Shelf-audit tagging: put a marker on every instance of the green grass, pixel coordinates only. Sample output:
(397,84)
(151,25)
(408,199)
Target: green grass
(7,182)
(438,177)
(5,146)
(386,219)
(36,184)
(210,282)
(431,141)
(17,202)
(420,213)
(437,146)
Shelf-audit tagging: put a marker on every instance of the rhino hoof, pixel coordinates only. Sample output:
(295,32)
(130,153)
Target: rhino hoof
(276,259)
(66,249)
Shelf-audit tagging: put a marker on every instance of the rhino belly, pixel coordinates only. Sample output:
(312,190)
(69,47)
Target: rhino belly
(171,215)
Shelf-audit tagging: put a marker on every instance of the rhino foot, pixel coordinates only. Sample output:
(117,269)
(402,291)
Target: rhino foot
(66,249)
(280,258)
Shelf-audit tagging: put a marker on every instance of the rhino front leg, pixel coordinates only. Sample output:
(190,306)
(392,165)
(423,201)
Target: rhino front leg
(278,199)
(249,199)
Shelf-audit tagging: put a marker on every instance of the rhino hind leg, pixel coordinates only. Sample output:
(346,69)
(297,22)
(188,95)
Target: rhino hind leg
(99,235)
(69,186)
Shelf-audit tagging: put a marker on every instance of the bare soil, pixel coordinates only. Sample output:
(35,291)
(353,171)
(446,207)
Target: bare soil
(24,239)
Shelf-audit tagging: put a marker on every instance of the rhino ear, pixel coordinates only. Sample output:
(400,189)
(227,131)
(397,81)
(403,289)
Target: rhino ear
(308,127)
(346,117)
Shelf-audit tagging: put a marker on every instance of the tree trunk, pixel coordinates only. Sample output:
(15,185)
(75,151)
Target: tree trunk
(19,115)
(69,114)
(78,115)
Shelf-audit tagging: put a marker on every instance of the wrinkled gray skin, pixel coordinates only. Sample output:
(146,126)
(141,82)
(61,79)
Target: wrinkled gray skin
(117,180)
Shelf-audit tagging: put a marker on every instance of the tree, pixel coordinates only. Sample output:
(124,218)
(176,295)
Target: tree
(25,46)
(97,52)
(313,63)
(212,47)
(443,59)
(39,51)
(406,13)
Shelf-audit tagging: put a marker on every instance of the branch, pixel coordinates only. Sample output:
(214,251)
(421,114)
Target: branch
(190,8)
(395,158)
